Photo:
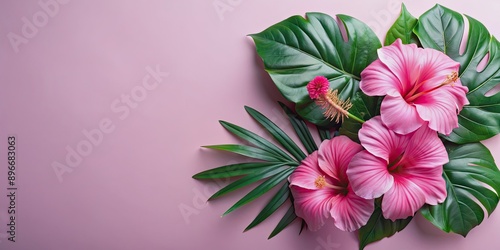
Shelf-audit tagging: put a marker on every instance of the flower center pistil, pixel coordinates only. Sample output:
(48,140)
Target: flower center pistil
(450,80)
(321,182)
(395,164)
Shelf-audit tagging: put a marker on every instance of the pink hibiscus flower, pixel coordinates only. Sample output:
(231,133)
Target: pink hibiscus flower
(406,169)
(420,86)
(321,189)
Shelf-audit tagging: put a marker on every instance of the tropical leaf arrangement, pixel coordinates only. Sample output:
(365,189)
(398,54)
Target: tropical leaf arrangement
(400,125)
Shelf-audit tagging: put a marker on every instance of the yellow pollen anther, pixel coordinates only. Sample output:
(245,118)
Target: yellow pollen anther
(320,182)
(451,78)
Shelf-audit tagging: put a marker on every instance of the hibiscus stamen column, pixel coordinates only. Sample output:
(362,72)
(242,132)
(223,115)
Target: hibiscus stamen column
(321,182)
(334,108)
(450,80)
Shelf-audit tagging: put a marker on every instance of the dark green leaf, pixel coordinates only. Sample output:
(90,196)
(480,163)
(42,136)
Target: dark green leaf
(402,28)
(278,199)
(324,133)
(284,222)
(277,133)
(314,114)
(301,129)
(255,140)
(469,176)
(303,225)
(248,151)
(378,228)
(261,189)
(240,169)
(247,180)
(268,174)
(298,49)
(442,29)
(364,107)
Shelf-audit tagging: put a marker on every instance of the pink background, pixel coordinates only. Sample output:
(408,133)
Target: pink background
(128,192)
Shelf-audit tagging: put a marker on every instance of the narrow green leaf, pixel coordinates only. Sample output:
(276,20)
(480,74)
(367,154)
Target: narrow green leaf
(471,176)
(402,28)
(378,228)
(288,218)
(261,189)
(303,225)
(278,199)
(324,133)
(314,114)
(256,140)
(239,169)
(301,129)
(277,133)
(247,151)
(247,180)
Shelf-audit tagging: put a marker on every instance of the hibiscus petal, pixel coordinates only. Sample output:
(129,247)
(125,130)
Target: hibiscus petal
(380,141)
(404,62)
(400,116)
(431,181)
(439,109)
(403,199)
(425,158)
(435,68)
(378,80)
(459,93)
(305,175)
(312,205)
(425,149)
(350,212)
(334,156)
(368,175)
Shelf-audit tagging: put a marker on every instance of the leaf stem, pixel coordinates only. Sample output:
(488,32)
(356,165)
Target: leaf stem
(355,118)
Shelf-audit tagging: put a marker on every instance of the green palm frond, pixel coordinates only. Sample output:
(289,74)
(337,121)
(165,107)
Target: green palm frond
(275,162)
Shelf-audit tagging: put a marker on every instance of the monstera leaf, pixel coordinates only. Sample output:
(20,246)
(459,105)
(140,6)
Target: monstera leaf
(443,29)
(298,49)
(472,183)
